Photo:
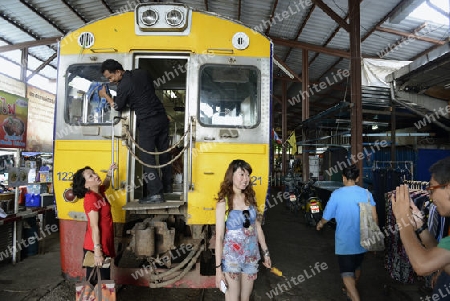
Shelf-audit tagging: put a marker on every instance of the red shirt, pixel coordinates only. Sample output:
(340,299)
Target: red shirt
(98,202)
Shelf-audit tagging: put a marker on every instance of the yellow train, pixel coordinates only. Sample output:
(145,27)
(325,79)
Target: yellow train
(214,78)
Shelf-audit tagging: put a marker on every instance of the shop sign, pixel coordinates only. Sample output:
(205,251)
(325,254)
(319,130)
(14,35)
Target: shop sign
(13,120)
(41,107)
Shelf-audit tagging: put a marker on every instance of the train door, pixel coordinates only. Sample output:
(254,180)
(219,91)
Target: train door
(169,73)
(229,121)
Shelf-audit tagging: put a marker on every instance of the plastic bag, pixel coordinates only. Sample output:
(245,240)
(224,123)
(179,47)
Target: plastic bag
(371,237)
(104,290)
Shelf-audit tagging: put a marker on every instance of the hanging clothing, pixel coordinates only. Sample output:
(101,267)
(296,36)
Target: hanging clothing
(396,260)
(385,180)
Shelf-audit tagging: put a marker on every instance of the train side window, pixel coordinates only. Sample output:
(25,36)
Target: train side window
(229,96)
(83,104)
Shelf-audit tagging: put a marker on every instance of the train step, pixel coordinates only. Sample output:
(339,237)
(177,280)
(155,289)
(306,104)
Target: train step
(174,204)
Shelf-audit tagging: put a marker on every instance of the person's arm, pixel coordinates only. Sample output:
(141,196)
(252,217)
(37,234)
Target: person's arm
(102,93)
(424,261)
(427,239)
(321,223)
(96,238)
(107,179)
(262,242)
(328,212)
(119,102)
(220,232)
(374,208)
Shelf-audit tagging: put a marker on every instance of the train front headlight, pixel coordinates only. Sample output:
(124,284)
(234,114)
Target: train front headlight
(174,17)
(149,17)
(157,17)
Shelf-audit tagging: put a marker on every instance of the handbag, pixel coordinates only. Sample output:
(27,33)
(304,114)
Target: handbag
(88,260)
(371,237)
(104,290)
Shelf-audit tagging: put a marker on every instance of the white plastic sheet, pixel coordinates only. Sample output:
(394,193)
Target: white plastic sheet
(374,71)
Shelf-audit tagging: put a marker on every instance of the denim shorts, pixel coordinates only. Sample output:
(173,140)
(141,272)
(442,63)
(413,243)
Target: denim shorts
(235,267)
(348,264)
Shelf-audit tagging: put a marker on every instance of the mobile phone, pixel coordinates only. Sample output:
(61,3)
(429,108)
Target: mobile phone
(223,286)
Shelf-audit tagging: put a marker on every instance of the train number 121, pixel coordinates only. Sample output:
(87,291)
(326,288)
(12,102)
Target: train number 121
(256,180)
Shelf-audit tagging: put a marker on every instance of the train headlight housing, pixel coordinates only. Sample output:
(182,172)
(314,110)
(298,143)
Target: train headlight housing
(156,17)
(174,17)
(149,17)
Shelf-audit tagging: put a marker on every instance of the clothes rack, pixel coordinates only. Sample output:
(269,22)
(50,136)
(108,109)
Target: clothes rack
(400,165)
(417,185)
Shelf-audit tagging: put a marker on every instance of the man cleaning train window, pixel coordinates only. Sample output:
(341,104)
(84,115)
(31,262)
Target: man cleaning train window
(135,88)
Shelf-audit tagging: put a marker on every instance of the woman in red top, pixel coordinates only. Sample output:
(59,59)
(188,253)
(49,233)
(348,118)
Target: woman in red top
(99,236)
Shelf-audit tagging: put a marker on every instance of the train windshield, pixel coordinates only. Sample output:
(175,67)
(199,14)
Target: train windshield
(229,96)
(83,104)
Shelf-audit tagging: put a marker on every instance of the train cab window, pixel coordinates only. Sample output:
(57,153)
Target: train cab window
(83,104)
(229,96)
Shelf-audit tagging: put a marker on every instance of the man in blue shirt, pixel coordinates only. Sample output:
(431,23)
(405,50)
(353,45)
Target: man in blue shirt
(343,206)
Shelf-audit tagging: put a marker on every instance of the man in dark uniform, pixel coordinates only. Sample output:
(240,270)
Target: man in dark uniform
(135,88)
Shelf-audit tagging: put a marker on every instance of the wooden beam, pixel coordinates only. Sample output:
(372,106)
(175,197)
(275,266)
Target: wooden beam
(285,78)
(426,51)
(298,79)
(355,86)
(239,10)
(410,35)
(305,84)
(284,105)
(310,47)
(332,14)
(305,114)
(42,66)
(399,43)
(336,30)
(45,41)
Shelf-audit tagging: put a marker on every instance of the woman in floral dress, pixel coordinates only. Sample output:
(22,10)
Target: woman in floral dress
(238,232)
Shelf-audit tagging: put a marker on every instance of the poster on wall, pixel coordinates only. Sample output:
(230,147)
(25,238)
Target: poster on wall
(13,120)
(41,107)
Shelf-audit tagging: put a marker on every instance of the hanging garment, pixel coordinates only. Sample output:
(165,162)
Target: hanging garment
(396,260)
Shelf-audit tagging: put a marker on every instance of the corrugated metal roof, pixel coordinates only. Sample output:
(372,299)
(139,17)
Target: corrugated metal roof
(28,20)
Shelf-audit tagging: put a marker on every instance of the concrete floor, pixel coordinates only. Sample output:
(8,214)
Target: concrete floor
(299,251)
